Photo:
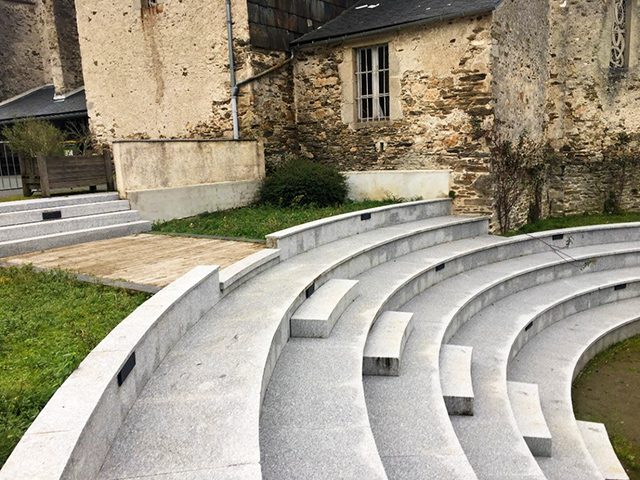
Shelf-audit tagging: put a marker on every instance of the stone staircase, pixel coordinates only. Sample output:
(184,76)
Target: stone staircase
(400,342)
(41,224)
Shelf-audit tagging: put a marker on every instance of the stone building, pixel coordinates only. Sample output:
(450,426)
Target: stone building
(366,86)
(38,46)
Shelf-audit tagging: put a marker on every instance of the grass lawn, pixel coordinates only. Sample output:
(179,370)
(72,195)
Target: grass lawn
(257,221)
(48,323)
(568,221)
(608,391)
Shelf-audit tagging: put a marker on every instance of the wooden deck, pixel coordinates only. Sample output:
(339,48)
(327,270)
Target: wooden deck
(144,259)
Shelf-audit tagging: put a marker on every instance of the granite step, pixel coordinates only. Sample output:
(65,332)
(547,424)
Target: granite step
(316,317)
(52,214)
(217,374)
(385,344)
(18,232)
(56,202)
(525,404)
(553,358)
(455,378)
(392,402)
(597,442)
(491,438)
(45,242)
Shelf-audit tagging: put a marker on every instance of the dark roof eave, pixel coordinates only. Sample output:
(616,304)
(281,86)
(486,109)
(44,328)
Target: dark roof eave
(59,116)
(391,28)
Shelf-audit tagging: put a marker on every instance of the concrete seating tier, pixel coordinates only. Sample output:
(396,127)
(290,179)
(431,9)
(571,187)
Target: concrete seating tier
(206,411)
(449,303)
(220,369)
(491,438)
(31,225)
(564,348)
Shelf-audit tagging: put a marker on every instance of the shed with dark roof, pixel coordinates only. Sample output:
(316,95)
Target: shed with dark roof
(41,104)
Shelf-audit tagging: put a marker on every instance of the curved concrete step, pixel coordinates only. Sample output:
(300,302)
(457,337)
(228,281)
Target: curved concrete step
(491,438)
(385,343)
(56,213)
(455,378)
(553,358)
(597,441)
(208,391)
(525,404)
(45,242)
(404,434)
(316,317)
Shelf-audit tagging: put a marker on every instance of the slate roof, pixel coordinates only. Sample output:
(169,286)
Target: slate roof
(371,16)
(40,104)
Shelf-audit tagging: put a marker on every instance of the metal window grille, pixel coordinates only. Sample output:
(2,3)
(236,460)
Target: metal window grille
(620,35)
(372,73)
(9,169)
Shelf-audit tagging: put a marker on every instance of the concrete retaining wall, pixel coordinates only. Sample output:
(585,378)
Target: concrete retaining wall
(155,164)
(378,185)
(179,202)
(74,432)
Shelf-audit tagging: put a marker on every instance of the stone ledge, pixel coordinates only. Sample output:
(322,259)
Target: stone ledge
(296,240)
(72,435)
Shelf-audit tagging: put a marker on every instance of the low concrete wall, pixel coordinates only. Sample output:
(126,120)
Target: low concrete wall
(74,432)
(301,238)
(179,202)
(155,164)
(378,185)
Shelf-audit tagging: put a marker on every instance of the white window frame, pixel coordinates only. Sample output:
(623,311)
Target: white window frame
(373,99)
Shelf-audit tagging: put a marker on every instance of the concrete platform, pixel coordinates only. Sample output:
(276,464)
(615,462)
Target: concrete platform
(145,259)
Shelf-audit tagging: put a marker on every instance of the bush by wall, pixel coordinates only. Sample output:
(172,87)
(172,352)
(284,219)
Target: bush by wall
(303,182)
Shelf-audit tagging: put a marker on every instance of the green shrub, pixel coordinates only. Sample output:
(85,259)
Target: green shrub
(30,136)
(303,182)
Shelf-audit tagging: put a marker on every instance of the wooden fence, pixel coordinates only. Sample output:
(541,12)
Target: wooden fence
(48,173)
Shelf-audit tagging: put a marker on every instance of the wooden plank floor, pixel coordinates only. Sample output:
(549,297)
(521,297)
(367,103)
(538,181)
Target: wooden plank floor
(145,258)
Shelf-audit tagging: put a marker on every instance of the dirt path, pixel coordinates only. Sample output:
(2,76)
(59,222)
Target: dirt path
(608,392)
(145,258)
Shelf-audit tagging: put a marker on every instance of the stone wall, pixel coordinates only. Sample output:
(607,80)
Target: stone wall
(588,103)
(21,57)
(443,89)
(159,72)
(38,45)
(519,67)
(64,49)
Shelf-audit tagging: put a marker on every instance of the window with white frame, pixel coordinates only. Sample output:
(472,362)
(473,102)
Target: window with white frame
(372,74)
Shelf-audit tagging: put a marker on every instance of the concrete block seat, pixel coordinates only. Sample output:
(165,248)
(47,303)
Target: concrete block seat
(407,413)
(492,438)
(200,411)
(563,349)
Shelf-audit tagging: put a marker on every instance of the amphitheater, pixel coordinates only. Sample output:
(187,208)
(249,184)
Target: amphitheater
(400,342)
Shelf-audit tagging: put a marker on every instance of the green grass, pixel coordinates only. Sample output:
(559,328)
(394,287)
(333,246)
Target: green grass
(255,222)
(48,323)
(568,221)
(611,411)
